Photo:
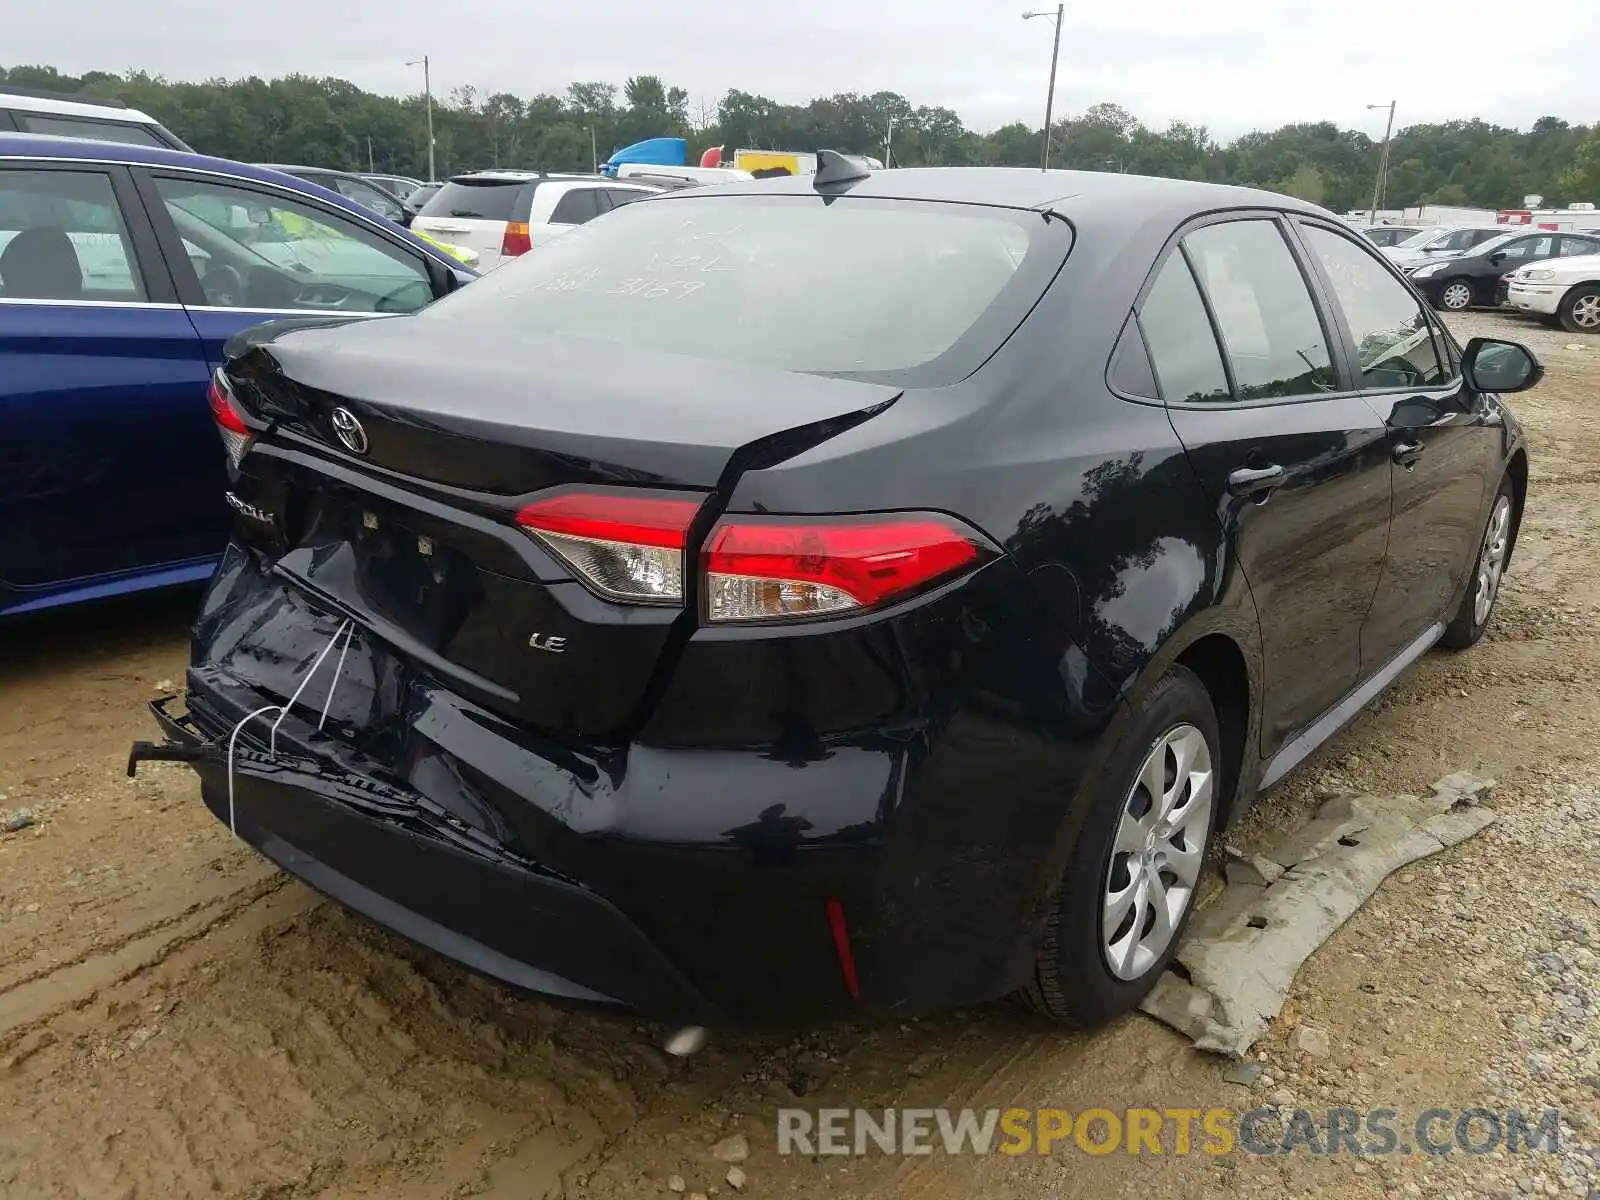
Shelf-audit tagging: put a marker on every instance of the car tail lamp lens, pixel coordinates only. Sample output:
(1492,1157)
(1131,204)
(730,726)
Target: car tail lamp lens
(516,240)
(625,547)
(765,569)
(631,547)
(236,435)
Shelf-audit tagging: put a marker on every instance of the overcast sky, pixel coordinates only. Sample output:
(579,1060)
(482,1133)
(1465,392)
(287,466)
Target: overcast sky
(1232,65)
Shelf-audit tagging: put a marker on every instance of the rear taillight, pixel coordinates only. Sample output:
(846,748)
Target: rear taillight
(236,435)
(763,569)
(630,547)
(627,547)
(516,240)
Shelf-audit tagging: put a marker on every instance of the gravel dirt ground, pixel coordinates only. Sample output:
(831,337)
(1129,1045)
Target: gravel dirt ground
(179,1019)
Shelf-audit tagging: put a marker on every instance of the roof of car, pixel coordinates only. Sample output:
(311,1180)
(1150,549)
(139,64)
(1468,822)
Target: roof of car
(500,175)
(1067,193)
(27,100)
(296,168)
(32,145)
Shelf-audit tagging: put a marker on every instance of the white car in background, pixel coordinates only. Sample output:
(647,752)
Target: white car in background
(53,114)
(1430,245)
(1565,291)
(501,214)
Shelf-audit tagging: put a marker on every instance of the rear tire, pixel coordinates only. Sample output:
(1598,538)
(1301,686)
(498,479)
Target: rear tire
(1455,295)
(1579,310)
(1135,846)
(1488,569)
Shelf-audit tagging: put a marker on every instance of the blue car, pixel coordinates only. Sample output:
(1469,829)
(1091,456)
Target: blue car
(123,272)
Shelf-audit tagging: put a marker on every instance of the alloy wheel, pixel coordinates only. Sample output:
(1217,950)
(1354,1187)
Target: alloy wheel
(1491,562)
(1159,850)
(1586,311)
(1456,296)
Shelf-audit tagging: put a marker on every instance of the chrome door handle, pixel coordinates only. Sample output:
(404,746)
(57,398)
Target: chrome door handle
(1256,481)
(1407,453)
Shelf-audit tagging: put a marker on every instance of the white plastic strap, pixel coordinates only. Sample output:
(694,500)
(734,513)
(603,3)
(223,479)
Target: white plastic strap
(346,631)
(310,675)
(232,740)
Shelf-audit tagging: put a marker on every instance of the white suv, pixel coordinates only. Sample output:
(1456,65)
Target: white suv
(53,115)
(1563,290)
(501,214)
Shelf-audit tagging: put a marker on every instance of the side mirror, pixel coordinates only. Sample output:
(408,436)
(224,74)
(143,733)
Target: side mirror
(1491,365)
(1498,257)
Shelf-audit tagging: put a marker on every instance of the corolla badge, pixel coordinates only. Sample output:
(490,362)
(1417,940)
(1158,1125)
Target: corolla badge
(250,510)
(348,429)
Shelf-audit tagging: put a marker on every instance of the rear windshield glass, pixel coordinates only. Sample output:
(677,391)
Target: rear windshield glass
(478,201)
(858,287)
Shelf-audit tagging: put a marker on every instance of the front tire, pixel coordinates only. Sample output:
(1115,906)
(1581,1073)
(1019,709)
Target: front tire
(1579,310)
(1129,886)
(1455,295)
(1477,606)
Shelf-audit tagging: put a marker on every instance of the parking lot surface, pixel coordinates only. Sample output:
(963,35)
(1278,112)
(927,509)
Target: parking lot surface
(177,1018)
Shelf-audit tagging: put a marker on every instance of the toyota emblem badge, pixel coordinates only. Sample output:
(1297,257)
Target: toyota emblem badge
(349,431)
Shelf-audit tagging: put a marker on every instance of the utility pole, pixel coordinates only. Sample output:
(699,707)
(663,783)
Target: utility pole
(427,90)
(594,153)
(1050,95)
(1383,165)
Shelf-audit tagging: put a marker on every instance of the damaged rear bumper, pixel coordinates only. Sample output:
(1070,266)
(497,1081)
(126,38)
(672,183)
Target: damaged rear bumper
(380,851)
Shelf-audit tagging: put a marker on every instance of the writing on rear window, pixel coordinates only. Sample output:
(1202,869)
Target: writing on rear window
(848,287)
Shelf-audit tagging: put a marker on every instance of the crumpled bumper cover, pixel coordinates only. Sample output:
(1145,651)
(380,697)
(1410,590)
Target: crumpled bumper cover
(380,851)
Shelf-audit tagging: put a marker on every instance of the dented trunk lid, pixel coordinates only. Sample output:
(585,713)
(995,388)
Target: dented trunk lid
(409,526)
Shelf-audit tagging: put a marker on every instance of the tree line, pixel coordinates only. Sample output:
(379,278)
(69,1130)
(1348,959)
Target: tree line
(331,122)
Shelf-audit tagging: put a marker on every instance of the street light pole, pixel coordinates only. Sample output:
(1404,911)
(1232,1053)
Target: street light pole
(1050,96)
(1383,164)
(594,153)
(427,89)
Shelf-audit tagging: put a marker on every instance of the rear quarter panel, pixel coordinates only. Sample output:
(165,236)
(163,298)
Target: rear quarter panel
(1115,565)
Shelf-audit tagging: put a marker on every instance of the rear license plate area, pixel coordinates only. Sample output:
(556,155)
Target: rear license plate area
(361,554)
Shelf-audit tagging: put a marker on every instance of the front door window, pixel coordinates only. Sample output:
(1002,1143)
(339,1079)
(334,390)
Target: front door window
(262,250)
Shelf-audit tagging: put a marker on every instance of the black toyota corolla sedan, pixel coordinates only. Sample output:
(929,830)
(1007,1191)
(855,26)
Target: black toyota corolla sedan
(858,593)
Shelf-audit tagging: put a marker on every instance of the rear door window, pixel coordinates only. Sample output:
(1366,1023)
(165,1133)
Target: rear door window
(62,237)
(1571,245)
(1182,346)
(1528,249)
(1131,372)
(1270,329)
(476,200)
(576,206)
